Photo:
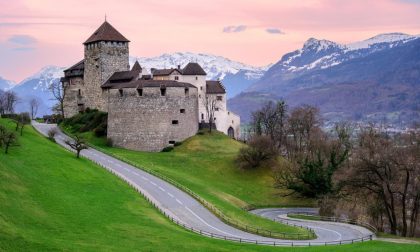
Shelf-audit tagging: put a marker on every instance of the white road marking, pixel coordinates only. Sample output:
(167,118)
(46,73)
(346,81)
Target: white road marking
(177,200)
(163,190)
(144,178)
(170,195)
(126,169)
(198,217)
(135,173)
(153,183)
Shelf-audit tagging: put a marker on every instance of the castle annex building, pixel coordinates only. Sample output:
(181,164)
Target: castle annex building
(147,110)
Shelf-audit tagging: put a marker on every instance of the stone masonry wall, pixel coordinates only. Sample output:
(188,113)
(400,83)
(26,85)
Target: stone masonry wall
(72,99)
(102,59)
(145,122)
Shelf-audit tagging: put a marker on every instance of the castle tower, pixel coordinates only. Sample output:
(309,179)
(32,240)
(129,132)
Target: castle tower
(106,52)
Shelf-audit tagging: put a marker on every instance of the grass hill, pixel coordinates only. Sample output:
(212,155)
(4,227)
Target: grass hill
(51,201)
(205,164)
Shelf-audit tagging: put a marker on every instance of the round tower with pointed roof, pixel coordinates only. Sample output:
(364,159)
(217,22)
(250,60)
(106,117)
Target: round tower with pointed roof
(106,52)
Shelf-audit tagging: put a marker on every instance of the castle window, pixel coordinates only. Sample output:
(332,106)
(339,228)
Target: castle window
(217,109)
(140,91)
(199,96)
(202,116)
(201,88)
(215,119)
(176,77)
(196,78)
(162,91)
(219,98)
(182,111)
(187,90)
(79,92)
(121,92)
(172,142)
(174,122)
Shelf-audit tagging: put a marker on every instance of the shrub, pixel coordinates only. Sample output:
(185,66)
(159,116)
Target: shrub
(200,133)
(101,130)
(167,149)
(109,142)
(177,143)
(260,150)
(51,134)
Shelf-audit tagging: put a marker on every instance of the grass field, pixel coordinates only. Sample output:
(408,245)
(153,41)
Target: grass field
(205,164)
(51,201)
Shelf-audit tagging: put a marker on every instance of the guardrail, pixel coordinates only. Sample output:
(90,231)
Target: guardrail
(262,232)
(338,219)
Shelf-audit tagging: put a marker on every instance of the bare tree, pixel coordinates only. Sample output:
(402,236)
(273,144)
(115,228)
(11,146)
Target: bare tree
(33,107)
(387,167)
(9,140)
(8,101)
(271,121)
(58,90)
(21,120)
(78,144)
(211,104)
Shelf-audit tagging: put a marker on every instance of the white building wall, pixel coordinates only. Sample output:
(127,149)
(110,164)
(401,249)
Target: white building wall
(200,82)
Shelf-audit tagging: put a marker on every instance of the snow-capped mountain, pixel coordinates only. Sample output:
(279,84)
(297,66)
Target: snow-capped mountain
(321,54)
(216,67)
(6,84)
(375,79)
(235,75)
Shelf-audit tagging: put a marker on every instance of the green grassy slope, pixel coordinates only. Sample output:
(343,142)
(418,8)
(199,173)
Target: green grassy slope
(51,201)
(205,164)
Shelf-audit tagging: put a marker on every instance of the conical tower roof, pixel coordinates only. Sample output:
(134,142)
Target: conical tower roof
(136,67)
(106,32)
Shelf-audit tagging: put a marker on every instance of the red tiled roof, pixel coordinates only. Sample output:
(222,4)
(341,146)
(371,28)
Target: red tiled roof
(106,32)
(215,87)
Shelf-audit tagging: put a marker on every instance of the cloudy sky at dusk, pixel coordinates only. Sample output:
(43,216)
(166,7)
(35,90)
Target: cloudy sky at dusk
(35,33)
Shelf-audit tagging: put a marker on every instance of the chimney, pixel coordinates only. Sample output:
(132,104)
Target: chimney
(179,67)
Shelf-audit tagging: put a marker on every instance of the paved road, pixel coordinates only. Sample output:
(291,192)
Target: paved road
(186,210)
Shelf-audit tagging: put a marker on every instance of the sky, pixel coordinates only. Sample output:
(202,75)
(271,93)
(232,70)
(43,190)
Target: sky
(36,33)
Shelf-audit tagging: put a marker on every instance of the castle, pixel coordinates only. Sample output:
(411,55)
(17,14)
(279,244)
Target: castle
(147,111)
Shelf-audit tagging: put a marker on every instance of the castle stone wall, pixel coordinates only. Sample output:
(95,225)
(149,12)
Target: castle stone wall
(145,122)
(102,59)
(73,102)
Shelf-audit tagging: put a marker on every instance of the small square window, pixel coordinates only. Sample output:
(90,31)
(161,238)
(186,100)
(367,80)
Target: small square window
(187,91)
(174,121)
(216,109)
(219,98)
(182,111)
(172,142)
(176,77)
(163,91)
(140,92)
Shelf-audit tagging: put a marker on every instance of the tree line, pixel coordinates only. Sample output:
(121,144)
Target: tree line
(367,167)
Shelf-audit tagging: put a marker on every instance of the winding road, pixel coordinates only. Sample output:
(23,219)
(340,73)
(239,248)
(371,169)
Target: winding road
(185,210)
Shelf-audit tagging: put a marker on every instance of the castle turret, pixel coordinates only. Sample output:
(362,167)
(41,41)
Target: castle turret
(106,52)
